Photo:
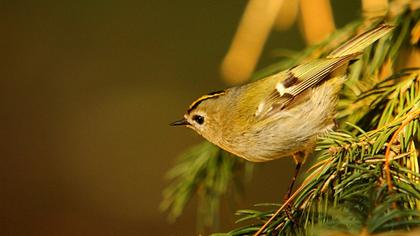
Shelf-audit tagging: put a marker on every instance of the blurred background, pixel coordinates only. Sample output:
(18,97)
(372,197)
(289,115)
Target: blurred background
(88,89)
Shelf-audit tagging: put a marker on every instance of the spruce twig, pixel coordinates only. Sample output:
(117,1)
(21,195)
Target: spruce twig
(366,175)
(412,115)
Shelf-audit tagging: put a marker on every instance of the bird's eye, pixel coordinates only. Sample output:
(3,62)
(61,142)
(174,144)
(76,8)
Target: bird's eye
(198,119)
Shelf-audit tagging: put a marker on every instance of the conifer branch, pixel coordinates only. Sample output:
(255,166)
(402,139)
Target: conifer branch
(411,116)
(366,175)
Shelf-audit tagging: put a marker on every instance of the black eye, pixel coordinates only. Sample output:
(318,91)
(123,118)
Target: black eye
(199,119)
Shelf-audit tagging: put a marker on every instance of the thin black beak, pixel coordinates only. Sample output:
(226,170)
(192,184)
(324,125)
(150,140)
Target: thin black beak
(179,122)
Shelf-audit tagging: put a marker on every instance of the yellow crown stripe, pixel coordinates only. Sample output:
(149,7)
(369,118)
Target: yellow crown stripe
(205,97)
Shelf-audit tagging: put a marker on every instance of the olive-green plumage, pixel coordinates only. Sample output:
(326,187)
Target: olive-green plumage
(282,114)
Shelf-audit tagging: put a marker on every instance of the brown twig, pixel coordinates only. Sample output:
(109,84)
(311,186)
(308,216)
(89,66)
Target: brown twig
(289,200)
(387,168)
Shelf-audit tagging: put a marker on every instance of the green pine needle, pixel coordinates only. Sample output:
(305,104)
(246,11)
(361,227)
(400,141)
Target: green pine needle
(346,189)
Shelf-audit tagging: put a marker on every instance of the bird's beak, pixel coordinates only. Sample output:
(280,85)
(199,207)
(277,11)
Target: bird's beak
(179,122)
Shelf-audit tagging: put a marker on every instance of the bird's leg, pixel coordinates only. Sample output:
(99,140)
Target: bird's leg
(298,161)
(335,124)
(298,157)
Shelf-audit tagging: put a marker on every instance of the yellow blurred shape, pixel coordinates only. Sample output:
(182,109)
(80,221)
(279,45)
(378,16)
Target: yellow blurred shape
(414,5)
(245,50)
(415,33)
(386,69)
(287,15)
(374,8)
(413,59)
(317,20)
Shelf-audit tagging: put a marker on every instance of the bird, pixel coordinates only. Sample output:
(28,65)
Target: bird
(281,115)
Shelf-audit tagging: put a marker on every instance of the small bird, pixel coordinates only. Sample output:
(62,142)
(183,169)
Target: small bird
(280,115)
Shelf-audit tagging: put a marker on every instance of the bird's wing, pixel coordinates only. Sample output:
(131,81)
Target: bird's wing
(297,80)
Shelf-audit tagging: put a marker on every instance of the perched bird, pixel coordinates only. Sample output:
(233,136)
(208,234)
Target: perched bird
(280,115)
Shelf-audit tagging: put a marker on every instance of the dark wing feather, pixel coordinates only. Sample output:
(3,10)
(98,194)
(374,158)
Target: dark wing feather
(310,74)
(298,79)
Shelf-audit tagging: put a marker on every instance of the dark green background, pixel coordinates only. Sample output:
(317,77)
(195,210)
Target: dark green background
(87,91)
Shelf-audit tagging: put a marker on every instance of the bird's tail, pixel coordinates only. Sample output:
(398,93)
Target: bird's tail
(361,41)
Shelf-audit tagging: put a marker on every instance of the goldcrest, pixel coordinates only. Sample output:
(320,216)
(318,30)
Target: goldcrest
(282,114)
